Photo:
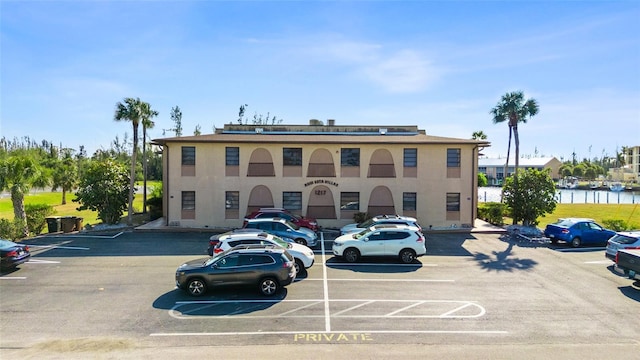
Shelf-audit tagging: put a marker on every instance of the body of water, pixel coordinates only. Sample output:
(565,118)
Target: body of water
(566,196)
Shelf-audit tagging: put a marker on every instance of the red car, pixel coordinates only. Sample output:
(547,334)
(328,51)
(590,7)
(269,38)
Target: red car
(302,221)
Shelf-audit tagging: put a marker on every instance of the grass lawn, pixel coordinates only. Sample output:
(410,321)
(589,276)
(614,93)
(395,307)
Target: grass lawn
(630,213)
(69,209)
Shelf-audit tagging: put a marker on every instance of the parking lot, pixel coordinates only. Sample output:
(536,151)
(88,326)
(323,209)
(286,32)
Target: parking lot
(472,296)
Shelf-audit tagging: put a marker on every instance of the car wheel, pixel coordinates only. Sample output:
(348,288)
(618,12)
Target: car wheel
(351,255)
(196,287)
(407,256)
(301,241)
(268,286)
(300,270)
(576,242)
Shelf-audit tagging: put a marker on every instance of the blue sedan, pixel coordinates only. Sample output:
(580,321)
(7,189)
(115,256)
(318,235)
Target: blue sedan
(577,232)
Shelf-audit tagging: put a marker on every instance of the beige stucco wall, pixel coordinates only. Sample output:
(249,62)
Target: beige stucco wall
(210,182)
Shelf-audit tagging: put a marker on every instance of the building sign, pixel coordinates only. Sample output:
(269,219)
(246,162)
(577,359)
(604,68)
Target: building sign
(321,181)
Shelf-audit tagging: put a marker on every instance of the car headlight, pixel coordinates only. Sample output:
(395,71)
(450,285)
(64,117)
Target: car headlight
(337,244)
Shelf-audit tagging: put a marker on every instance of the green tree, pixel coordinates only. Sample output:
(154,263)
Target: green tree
(482,179)
(514,109)
(534,197)
(147,123)
(176,116)
(579,170)
(104,188)
(135,111)
(65,174)
(479,135)
(19,173)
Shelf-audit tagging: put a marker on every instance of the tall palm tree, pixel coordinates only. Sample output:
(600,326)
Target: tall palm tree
(147,123)
(133,110)
(514,109)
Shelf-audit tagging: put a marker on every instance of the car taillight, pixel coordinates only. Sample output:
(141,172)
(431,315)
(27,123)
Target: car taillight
(12,253)
(617,257)
(287,264)
(565,231)
(420,238)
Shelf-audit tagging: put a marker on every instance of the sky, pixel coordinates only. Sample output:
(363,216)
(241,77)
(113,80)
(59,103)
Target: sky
(440,65)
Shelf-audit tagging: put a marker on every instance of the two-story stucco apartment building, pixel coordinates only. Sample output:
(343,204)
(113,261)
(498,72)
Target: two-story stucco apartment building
(327,172)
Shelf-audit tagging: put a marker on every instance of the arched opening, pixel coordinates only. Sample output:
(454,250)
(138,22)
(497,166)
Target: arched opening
(321,205)
(260,197)
(381,202)
(321,164)
(261,163)
(381,165)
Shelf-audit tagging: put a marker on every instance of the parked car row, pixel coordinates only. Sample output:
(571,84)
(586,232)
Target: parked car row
(272,251)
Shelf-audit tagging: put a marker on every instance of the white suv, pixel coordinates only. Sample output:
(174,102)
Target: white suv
(302,255)
(406,242)
(380,220)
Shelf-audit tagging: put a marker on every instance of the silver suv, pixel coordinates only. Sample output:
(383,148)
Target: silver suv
(380,220)
(284,229)
(405,242)
(302,255)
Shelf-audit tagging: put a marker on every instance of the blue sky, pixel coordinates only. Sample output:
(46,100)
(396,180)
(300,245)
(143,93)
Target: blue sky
(440,65)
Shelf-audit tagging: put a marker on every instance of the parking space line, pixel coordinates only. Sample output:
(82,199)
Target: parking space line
(38,261)
(60,247)
(13,278)
(378,264)
(325,285)
(353,308)
(405,308)
(299,308)
(452,332)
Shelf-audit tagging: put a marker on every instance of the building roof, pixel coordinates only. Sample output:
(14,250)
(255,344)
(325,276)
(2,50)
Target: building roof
(523,162)
(320,135)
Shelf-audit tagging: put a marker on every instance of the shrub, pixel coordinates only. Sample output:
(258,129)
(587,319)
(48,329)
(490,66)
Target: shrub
(36,216)
(615,224)
(361,217)
(492,212)
(11,229)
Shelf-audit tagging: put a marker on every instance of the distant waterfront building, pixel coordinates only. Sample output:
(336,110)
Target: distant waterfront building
(327,172)
(493,168)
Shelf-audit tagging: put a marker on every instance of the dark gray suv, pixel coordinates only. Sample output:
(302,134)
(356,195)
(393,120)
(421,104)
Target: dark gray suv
(267,267)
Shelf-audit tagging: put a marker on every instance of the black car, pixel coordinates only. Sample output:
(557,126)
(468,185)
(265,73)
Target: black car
(267,267)
(13,254)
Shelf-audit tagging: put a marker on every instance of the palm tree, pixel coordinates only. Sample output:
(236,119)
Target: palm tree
(65,174)
(147,114)
(18,174)
(133,110)
(515,109)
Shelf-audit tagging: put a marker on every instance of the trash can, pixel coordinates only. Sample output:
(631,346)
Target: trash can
(53,224)
(68,223)
(79,223)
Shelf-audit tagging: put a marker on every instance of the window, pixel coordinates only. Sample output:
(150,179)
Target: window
(453,201)
(349,201)
(409,201)
(232,156)
(292,156)
(292,200)
(229,261)
(482,169)
(350,157)
(453,157)
(232,200)
(410,157)
(188,200)
(188,155)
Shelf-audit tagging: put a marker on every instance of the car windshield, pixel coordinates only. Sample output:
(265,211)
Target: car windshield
(292,225)
(360,234)
(621,239)
(6,243)
(366,224)
(214,258)
(565,222)
(281,242)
